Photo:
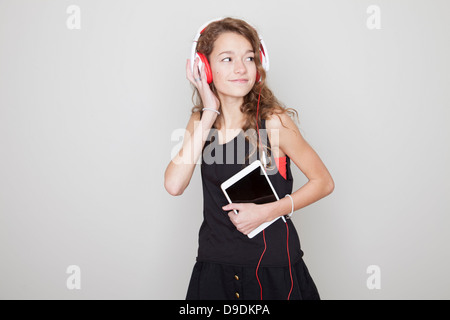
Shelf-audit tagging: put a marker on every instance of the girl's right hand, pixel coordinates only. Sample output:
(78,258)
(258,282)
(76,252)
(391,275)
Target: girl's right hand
(199,81)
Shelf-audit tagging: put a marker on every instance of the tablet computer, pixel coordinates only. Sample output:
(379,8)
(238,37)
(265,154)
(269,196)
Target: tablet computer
(251,185)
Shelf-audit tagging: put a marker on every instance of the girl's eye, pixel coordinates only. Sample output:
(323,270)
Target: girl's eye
(229,59)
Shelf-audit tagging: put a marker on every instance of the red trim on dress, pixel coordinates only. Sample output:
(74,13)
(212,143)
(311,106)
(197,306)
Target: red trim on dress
(281,165)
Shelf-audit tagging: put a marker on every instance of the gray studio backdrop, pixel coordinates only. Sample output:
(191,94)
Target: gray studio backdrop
(91,96)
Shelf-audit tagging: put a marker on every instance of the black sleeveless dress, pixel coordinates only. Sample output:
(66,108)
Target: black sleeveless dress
(227,259)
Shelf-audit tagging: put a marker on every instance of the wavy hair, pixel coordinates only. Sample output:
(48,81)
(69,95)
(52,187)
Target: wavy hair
(268,104)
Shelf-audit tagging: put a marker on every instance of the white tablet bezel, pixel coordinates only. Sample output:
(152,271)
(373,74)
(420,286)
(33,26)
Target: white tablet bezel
(238,176)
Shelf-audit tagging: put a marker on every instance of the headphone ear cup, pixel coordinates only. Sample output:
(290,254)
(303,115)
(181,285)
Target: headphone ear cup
(205,62)
(261,57)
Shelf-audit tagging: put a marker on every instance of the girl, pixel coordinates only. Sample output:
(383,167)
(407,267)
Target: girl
(229,264)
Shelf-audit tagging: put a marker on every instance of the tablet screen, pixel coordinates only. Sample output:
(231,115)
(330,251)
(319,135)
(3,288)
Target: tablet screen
(253,188)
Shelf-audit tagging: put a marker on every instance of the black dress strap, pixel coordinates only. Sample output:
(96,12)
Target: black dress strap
(264,135)
(263,124)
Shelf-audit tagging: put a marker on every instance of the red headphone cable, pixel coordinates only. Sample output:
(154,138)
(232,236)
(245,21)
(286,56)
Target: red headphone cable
(264,234)
(257,267)
(289,259)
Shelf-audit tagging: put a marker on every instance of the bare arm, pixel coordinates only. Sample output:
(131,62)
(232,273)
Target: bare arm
(180,169)
(320,183)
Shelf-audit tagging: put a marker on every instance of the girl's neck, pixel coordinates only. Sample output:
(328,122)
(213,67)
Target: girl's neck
(232,117)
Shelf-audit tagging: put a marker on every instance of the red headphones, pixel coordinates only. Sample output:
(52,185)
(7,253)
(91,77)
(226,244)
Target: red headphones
(204,61)
(263,54)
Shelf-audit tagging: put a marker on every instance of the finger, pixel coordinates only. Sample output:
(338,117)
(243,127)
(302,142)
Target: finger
(232,216)
(196,73)
(189,74)
(244,229)
(189,70)
(232,206)
(203,75)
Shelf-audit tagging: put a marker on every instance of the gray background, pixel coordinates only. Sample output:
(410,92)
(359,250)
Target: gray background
(86,118)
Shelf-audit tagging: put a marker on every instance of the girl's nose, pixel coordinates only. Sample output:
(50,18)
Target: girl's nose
(239,67)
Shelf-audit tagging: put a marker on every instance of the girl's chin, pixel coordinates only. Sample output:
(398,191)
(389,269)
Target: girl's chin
(234,93)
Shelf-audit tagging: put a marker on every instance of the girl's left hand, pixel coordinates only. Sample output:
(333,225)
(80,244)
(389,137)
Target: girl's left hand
(249,217)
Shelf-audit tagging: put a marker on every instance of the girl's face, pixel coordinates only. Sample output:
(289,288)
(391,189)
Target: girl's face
(232,65)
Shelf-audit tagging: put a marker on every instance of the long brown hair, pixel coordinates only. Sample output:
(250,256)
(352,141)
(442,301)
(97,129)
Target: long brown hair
(268,104)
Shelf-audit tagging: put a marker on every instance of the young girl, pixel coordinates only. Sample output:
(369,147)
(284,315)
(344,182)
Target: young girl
(230,265)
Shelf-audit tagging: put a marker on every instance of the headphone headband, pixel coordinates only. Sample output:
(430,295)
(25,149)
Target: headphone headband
(264,55)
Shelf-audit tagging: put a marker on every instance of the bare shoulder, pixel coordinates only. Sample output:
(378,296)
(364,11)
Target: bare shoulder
(280,128)
(283,133)
(282,122)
